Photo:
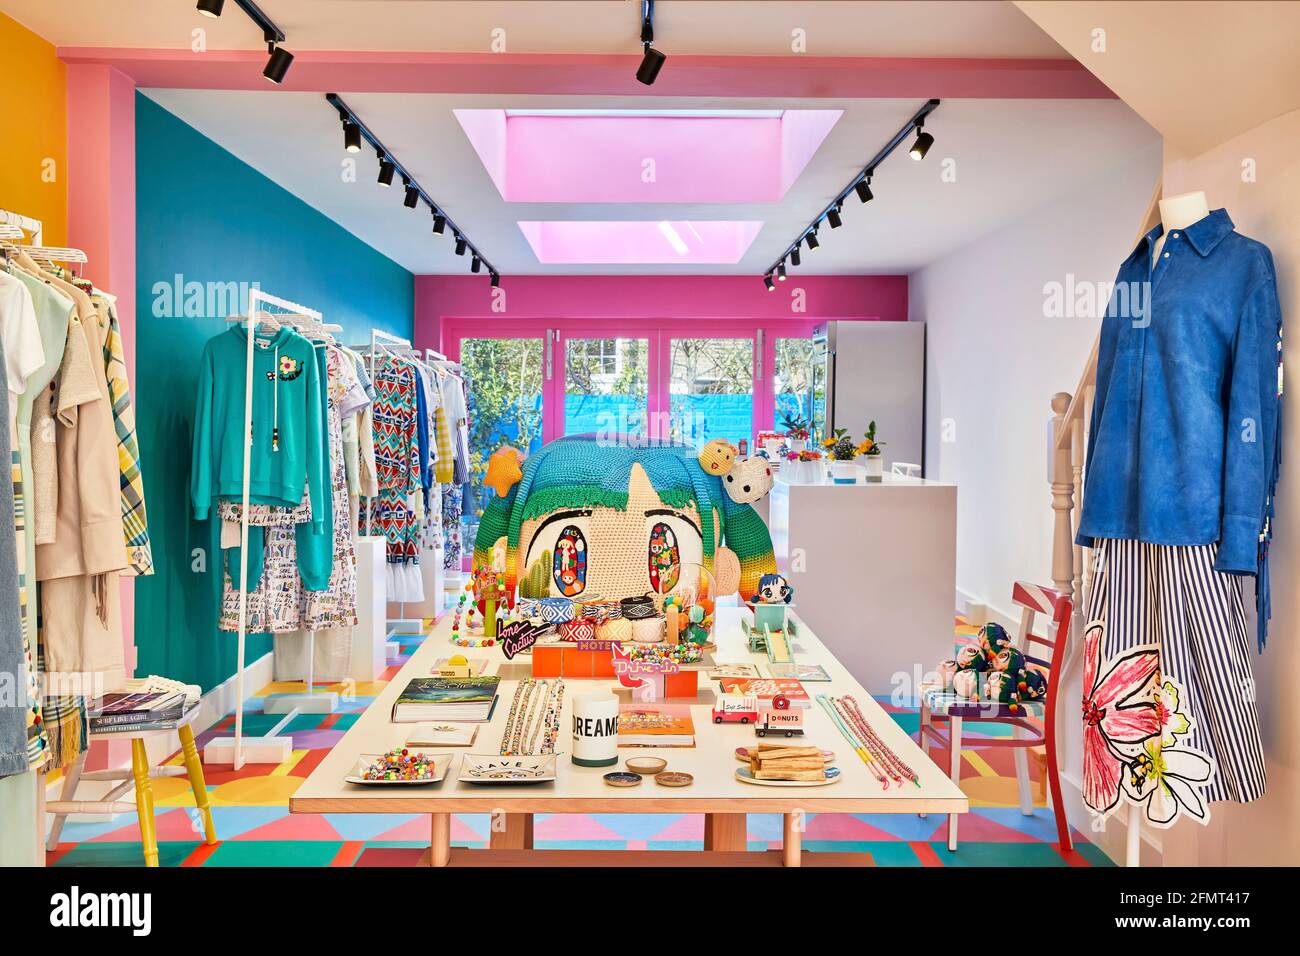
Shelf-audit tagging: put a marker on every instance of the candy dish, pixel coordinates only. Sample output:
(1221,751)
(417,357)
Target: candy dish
(402,766)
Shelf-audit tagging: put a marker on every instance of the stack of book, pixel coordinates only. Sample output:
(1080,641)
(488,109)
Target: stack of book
(655,725)
(779,762)
(467,699)
(117,713)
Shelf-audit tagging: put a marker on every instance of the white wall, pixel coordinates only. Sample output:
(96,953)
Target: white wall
(994,360)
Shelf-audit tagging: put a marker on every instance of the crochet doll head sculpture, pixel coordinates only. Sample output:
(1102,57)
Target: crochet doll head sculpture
(593,519)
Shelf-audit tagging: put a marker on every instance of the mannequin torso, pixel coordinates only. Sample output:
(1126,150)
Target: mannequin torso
(1179,212)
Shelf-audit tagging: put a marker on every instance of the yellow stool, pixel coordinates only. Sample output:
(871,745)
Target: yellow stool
(138,776)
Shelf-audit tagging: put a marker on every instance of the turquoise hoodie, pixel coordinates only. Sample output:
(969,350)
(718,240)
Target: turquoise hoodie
(289,449)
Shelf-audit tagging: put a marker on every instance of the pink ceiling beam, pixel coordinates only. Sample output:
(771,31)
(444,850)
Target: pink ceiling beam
(592,74)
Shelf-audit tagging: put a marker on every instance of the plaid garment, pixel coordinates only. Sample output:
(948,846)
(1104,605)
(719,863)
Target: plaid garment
(445,463)
(135,523)
(37,745)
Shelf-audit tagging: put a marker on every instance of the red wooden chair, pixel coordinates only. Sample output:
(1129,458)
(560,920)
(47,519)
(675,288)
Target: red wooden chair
(939,706)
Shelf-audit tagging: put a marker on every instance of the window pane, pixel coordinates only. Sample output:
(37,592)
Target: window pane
(503,381)
(606,386)
(712,390)
(800,385)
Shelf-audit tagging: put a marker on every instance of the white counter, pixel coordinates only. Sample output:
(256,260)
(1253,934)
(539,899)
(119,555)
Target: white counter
(873,566)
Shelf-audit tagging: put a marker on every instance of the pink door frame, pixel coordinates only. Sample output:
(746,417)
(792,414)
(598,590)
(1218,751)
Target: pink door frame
(454,329)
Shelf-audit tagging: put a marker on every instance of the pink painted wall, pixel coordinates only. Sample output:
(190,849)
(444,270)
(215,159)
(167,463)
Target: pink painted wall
(653,298)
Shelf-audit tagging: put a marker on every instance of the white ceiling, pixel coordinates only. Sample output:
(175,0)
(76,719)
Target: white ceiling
(1009,156)
(982,28)
(1200,75)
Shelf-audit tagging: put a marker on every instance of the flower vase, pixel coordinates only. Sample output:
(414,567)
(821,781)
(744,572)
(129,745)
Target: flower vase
(798,444)
(875,465)
(844,472)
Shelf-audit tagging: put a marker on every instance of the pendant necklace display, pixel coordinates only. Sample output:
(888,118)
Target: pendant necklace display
(534,714)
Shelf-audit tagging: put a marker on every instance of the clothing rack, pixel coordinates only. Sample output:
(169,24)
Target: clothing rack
(272,749)
(15,226)
(380,342)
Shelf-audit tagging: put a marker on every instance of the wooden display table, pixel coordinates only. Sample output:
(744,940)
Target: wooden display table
(715,792)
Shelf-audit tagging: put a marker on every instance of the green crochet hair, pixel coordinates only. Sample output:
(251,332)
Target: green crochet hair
(580,472)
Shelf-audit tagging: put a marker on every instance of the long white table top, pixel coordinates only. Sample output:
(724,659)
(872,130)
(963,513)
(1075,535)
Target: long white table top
(577,789)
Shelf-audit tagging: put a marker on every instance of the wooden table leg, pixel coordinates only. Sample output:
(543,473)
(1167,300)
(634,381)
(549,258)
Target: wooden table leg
(511,831)
(440,840)
(194,767)
(144,801)
(725,831)
(792,838)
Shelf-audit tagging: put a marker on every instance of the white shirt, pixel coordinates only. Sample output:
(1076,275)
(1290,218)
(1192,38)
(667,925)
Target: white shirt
(24,354)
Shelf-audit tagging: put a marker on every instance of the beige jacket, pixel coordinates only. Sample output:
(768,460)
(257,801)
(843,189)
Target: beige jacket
(88,532)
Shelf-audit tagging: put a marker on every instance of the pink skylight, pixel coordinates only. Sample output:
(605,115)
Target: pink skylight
(649,157)
(658,242)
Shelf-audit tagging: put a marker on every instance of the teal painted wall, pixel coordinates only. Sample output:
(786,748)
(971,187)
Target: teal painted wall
(206,217)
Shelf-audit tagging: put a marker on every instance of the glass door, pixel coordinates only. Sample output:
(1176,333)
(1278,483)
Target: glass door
(505,381)
(799,385)
(607,386)
(711,389)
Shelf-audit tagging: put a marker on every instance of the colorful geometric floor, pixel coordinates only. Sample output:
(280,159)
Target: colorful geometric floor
(255,827)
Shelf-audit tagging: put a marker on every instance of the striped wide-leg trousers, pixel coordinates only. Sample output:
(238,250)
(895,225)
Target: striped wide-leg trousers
(1171,596)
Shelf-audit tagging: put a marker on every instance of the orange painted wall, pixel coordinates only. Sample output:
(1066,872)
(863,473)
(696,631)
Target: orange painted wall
(35,130)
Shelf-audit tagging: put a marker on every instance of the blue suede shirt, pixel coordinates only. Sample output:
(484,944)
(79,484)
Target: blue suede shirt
(1184,442)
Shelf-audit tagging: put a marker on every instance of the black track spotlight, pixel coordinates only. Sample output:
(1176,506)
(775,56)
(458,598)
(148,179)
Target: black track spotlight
(780,272)
(211,8)
(794,255)
(278,65)
(351,136)
(922,145)
(833,217)
(863,189)
(652,61)
(767,281)
(358,136)
(811,239)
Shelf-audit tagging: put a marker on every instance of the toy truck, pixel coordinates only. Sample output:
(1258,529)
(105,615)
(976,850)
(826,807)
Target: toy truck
(735,708)
(780,718)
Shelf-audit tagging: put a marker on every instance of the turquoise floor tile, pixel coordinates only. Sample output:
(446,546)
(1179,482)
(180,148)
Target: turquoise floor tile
(124,854)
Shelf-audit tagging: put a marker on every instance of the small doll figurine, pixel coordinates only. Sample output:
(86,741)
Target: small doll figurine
(773,589)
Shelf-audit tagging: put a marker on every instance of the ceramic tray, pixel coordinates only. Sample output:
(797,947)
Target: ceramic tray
(832,776)
(440,764)
(493,768)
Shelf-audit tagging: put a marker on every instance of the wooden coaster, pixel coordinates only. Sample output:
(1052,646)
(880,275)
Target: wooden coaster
(620,778)
(674,778)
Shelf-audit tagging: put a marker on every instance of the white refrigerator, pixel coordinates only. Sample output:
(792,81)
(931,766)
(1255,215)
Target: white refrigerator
(874,371)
